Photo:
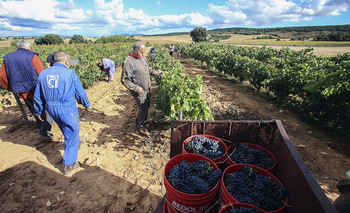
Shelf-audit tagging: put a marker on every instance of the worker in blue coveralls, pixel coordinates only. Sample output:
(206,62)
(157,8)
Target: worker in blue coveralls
(57,89)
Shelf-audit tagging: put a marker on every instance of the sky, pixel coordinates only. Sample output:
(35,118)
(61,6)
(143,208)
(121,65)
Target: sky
(95,18)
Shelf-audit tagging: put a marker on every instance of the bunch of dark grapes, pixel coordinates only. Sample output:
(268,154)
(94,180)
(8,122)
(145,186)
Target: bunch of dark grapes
(243,154)
(207,147)
(193,177)
(244,210)
(247,186)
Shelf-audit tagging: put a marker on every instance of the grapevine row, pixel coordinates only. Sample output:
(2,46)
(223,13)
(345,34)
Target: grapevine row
(316,86)
(87,54)
(178,92)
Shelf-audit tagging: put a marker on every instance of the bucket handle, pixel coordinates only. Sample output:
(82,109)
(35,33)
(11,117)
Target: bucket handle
(228,141)
(225,140)
(228,156)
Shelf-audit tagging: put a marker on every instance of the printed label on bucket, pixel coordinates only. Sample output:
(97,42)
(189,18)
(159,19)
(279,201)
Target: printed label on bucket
(182,208)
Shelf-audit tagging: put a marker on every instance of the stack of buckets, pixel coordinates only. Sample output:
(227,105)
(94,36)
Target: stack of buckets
(177,201)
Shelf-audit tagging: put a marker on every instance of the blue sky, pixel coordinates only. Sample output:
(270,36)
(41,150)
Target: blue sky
(110,17)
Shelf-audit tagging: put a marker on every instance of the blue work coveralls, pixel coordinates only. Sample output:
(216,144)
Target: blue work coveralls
(57,90)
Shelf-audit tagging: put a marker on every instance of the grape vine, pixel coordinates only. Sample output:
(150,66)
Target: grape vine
(316,86)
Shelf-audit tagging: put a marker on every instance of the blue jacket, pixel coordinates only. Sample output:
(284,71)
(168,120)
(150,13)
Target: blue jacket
(59,86)
(20,71)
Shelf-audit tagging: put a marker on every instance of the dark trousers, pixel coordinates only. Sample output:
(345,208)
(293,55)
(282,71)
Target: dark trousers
(43,126)
(143,102)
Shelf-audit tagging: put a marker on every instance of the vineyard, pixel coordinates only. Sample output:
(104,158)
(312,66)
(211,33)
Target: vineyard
(178,93)
(125,167)
(318,87)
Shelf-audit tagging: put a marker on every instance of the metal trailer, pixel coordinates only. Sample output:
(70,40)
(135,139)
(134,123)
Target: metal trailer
(304,193)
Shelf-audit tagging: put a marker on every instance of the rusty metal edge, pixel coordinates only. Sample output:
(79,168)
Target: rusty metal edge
(319,193)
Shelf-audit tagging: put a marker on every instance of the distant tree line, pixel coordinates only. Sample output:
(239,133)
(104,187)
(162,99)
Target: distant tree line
(78,39)
(200,34)
(334,33)
(217,37)
(334,36)
(113,39)
(323,33)
(266,37)
(14,38)
(258,31)
(48,39)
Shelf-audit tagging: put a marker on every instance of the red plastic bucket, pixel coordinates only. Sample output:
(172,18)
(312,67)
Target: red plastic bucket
(226,197)
(228,207)
(185,203)
(218,161)
(231,148)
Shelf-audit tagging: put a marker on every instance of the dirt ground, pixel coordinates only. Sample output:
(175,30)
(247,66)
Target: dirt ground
(121,169)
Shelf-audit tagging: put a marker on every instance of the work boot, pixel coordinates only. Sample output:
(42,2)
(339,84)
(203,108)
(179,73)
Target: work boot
(143,130)
(69,169)
(47,136)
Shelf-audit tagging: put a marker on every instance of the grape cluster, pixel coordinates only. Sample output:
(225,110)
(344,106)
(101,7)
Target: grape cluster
(244,154)
(244,210)
(193,177)
(247,186)
(207,147)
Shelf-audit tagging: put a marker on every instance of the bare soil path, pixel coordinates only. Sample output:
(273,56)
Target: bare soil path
(121,169)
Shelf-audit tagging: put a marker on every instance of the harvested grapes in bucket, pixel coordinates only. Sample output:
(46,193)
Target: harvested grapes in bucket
(244,154)
(193,177)
(247,186)
(205,146)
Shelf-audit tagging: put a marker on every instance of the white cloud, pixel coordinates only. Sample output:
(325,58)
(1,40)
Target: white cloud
(25,9)
(222,15)
(136,14)
(89,12)
(170,19)
(259,12)
(197,19)
(7,26)
(268,12)
(109,11)
(184,20)
(307,19)
(65,27)
(109,17)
